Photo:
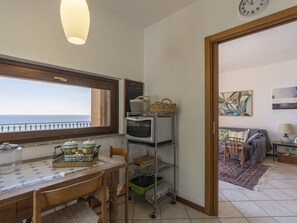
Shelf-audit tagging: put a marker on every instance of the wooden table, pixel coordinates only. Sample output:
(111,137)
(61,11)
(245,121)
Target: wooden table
(16,204)
(275,144)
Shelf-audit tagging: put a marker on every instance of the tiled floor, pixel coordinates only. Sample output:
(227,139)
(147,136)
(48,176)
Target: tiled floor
(273,201)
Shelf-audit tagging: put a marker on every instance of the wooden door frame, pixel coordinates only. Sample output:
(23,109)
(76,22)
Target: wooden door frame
(211,95)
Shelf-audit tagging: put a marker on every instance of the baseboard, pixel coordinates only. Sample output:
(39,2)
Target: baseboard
(190,204)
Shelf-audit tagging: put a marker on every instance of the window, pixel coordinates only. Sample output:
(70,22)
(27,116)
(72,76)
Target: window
(42,103)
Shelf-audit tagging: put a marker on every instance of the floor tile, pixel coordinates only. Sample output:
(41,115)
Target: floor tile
(234,195)
(284,183)
(143,211)
(225,186)
(147,221)
(176,221)
(256,195)
(226,209)
(262,220)
(249,209)
(267,185)
(121,210)
(280,176)
(205,220)
(233,220)
(291,192)
(169,211)
(222,197)
(192,213)
(293,175)
(273,208)
(286,219)
(290,205)
(277,194)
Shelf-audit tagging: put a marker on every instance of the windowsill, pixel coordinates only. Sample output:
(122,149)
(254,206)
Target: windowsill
(61,141)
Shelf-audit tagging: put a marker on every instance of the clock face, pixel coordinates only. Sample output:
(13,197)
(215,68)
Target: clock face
(252,7)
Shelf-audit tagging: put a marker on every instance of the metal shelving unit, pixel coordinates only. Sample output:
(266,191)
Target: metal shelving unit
(160,167)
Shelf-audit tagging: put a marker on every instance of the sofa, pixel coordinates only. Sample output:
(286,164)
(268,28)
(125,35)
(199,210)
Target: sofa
(257,143)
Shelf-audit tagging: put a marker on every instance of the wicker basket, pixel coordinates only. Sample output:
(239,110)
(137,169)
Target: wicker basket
(163,106)
(140,104)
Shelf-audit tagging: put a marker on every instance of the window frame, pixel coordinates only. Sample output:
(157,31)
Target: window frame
(46,73)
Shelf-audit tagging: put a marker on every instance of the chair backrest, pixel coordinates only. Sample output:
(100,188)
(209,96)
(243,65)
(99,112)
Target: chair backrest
(44,199)
(119,152)
(235,144)
(123,153)
(236,140)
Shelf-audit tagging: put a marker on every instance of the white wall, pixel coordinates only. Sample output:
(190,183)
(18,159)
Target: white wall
(261,80)
(174,68)
(32,30)
(37,150)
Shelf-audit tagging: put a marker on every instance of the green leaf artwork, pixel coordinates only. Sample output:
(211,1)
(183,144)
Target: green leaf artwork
(237,103)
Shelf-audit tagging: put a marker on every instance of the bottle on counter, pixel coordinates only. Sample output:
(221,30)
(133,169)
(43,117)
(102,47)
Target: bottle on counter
(10,158)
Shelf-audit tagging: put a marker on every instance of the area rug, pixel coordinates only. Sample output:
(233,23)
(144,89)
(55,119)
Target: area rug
(247,177)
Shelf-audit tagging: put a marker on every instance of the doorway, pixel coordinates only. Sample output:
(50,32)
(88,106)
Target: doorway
(211,95)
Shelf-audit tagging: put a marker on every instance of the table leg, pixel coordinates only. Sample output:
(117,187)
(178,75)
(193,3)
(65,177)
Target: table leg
(273,152)
(113,197)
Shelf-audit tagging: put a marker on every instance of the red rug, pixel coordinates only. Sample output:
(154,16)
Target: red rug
(247,177)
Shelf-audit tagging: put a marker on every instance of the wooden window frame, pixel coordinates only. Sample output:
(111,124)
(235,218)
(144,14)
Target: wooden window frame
(30,71)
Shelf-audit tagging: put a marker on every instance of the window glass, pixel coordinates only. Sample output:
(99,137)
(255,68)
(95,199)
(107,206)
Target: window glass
(34,105)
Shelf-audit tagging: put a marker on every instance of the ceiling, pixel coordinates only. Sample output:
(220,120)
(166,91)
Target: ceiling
(145,12)
(275,45)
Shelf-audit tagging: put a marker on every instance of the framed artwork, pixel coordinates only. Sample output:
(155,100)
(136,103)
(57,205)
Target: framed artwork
(236,103)
(284,98)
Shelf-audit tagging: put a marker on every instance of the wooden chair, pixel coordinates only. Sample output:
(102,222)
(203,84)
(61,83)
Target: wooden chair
(235,146)
(122,188)
(80,212)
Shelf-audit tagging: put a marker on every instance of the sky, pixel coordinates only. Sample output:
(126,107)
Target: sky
(26,97)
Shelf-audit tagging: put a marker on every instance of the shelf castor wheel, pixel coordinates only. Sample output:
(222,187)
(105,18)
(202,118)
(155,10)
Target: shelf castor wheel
(153,215)
(173,202)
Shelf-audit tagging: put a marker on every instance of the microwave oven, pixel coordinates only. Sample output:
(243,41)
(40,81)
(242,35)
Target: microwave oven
(143,129)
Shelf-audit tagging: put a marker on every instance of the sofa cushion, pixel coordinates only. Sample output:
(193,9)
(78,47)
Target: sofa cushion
(223,134)
(241,135)
(252,137)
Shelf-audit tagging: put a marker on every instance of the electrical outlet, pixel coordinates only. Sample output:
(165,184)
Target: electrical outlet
(293,149)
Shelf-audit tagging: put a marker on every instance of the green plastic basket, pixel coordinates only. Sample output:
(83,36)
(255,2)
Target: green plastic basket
(142,184)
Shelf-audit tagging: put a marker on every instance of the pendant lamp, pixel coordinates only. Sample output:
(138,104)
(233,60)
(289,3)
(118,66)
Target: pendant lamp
(75,18)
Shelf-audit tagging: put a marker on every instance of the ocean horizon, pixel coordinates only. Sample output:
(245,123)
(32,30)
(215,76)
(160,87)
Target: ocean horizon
(18,119)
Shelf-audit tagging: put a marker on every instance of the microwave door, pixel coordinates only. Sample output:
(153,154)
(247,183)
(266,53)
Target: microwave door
(139,129)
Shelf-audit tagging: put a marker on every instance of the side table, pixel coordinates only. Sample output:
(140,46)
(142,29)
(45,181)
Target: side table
(275,144)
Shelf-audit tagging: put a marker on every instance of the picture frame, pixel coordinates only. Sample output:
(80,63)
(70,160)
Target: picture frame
(236,103)
(284,98)
(295,140)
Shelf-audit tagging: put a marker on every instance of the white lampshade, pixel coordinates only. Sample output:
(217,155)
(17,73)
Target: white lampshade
(285,129)
(75,19)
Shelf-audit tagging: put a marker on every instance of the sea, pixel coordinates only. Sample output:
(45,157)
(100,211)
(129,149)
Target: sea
(28,119)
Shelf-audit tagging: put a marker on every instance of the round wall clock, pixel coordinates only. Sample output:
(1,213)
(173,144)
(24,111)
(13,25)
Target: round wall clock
(252,7)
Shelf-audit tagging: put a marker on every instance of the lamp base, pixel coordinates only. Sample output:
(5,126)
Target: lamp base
(285,139)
